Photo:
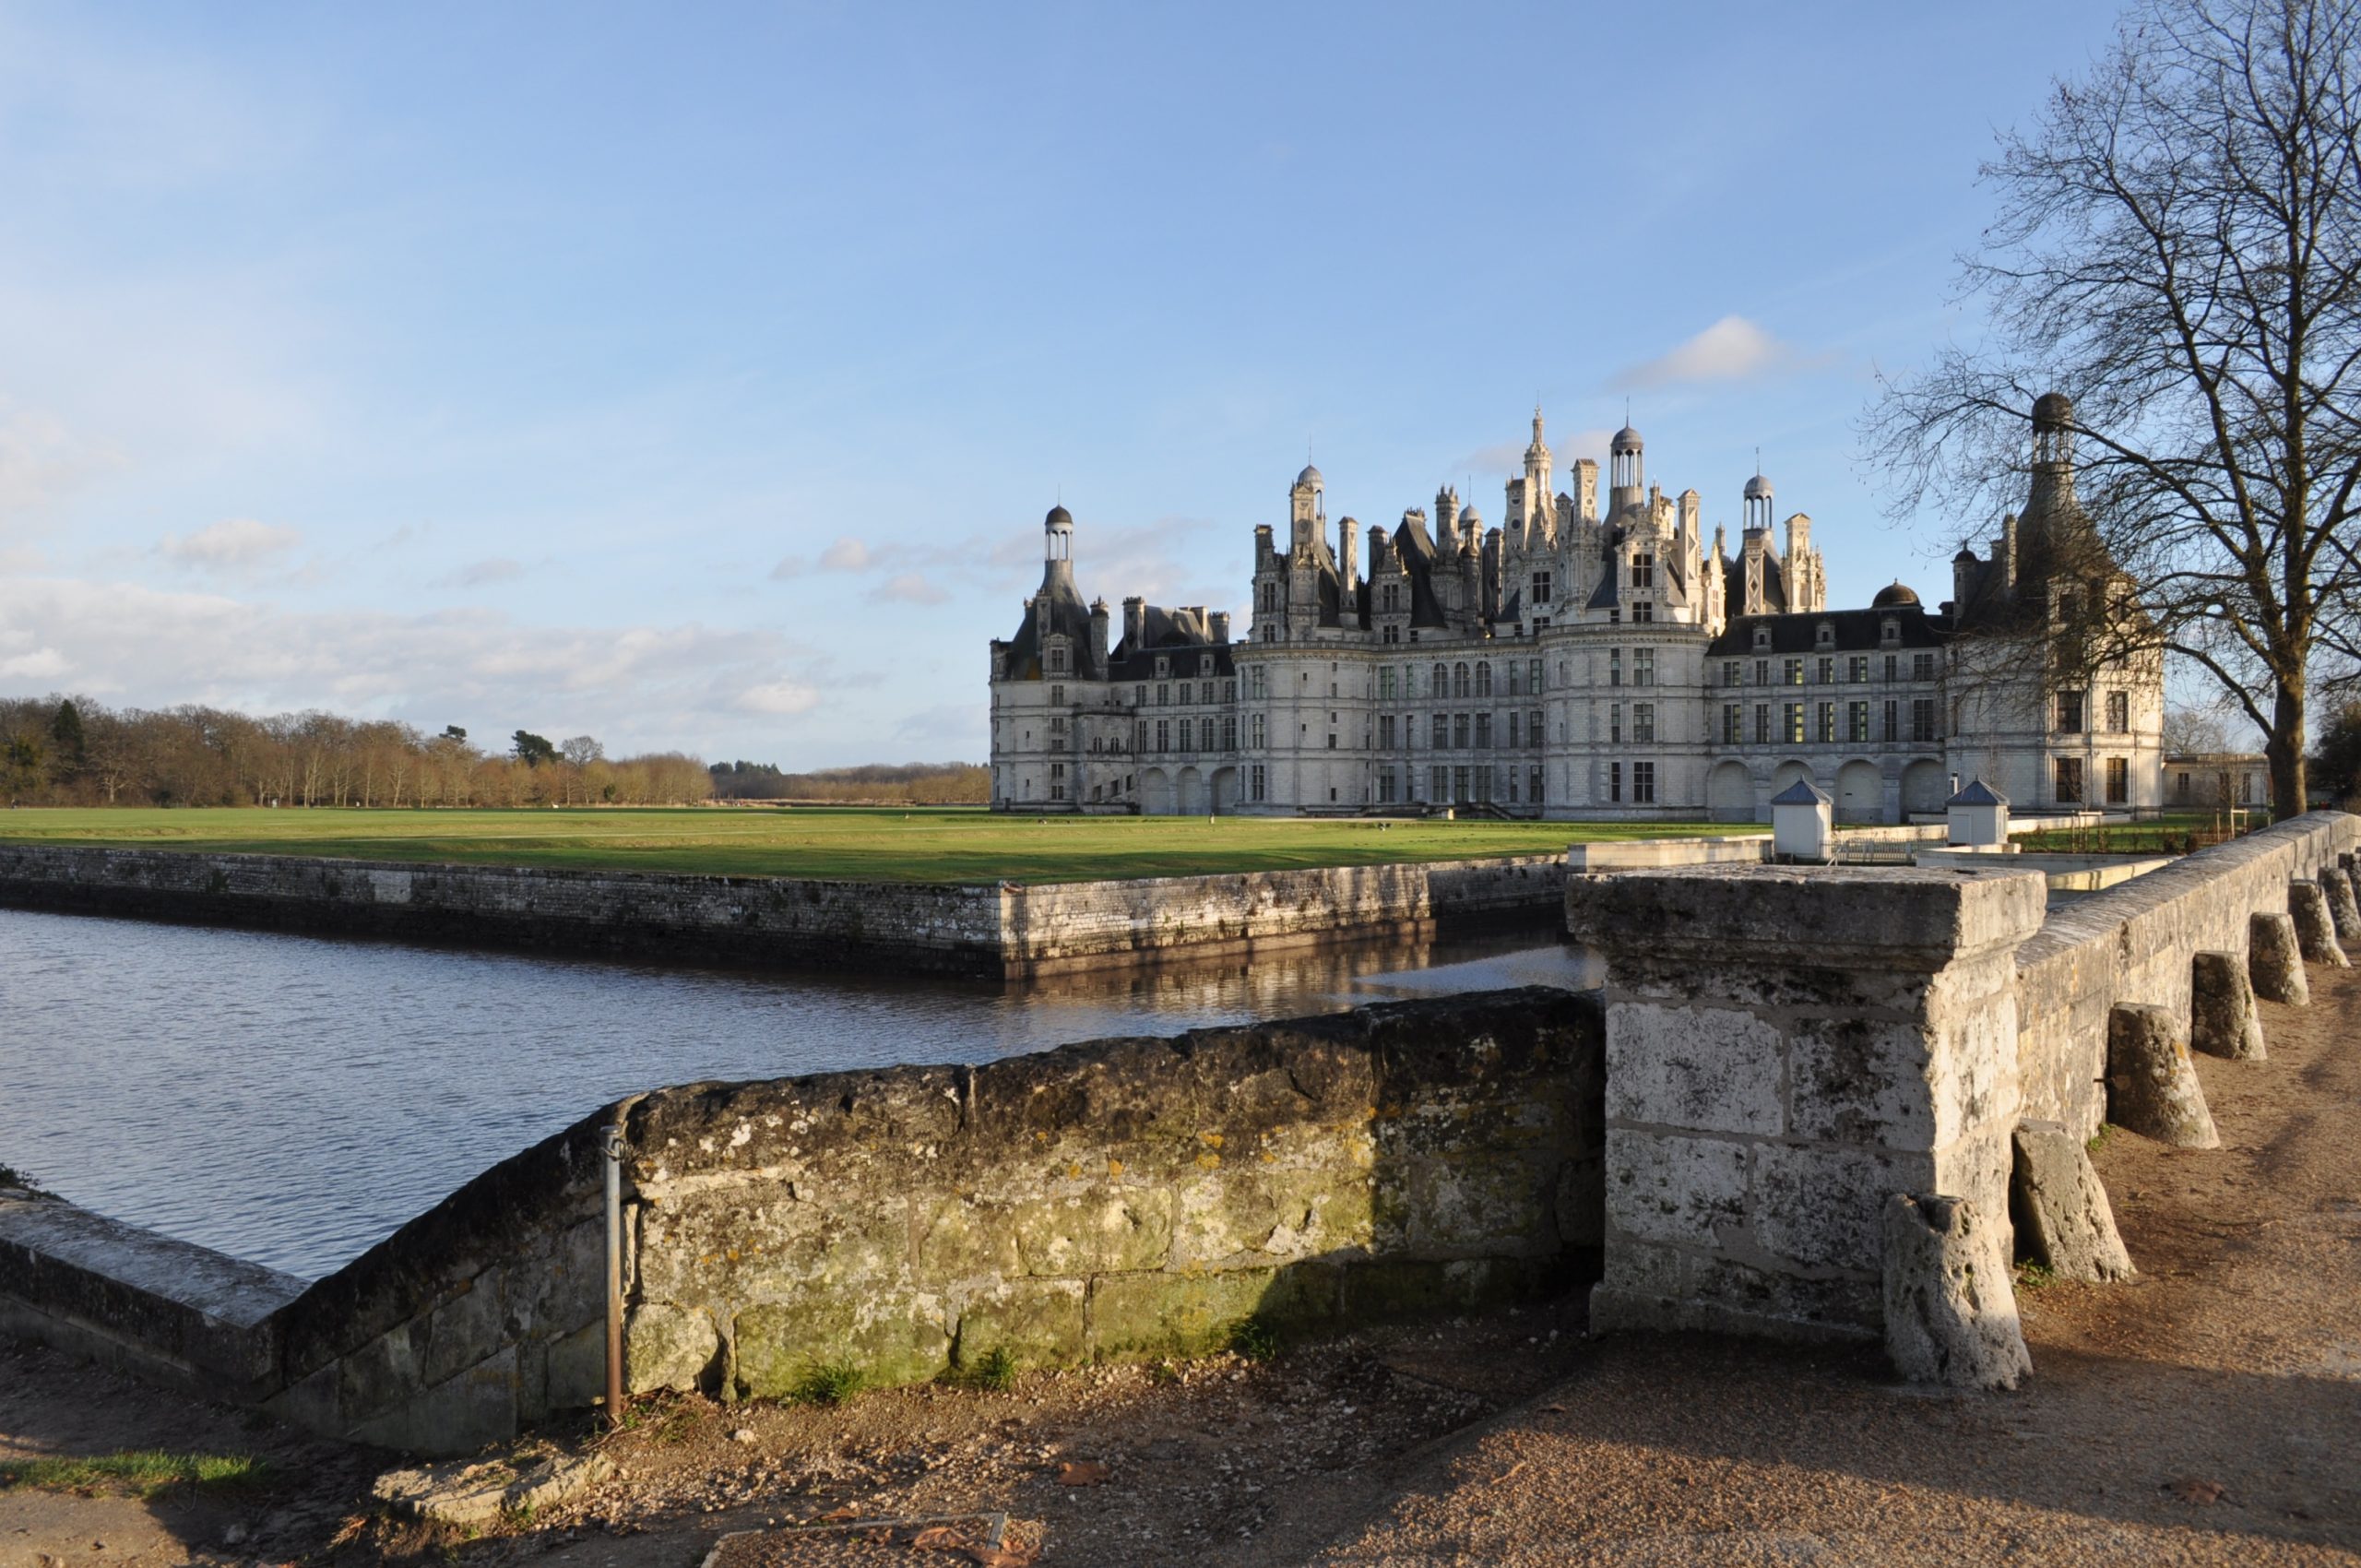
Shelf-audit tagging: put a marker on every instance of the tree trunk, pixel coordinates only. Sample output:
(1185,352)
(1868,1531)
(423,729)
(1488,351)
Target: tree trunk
(2285,751)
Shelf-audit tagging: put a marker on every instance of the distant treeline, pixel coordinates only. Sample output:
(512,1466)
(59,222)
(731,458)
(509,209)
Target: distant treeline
(72,751)
(909,783)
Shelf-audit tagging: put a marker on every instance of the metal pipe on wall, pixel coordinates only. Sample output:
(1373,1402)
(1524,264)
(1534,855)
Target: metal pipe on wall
(611,1144)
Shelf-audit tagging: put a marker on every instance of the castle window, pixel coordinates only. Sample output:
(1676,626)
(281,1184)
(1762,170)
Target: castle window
(1643,783)
(2118,713)
(1533,728)
(1205,692)
(1385,682)
(1615,723)
(2068,778)
(1163,668)
(1057,696)
(1828,721)
(1254,731)
(1206,664)
(1762,724)
(1258,683)
(1533,786)
(1643,723)
(1890,663)
(1164,734)
(1614,617)
(1385,734)
(1484,680)
(1459,681)
(1827,672)
(1643,571)
(1731,671)
(1394,633)
(1889,632)
(1761,638)
(1793,674)
(1733,723)
(1185,696)
(1532,676)
(1761,672)
(1058,659)
(1483,731)
(1442,682)
(1644,613)
(1385,785)
(1825,635)
(1517,679)
(1615,782)
(1922,719)
(1856,669)
(2070,714)
(1541,588)
(1922,666)
(1229,732)
(1644,667)
(1892,719)
(1515,730)
(1441,733)
(1459,732)
(1229,689)
(1254,781)
(1857,721)
(2118,781)
(1614,666)
(1794,722)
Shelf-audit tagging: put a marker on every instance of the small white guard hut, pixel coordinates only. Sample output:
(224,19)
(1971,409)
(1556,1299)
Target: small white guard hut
(1977,817)
(1803,822)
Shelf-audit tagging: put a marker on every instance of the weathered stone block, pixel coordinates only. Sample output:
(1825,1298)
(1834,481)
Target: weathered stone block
(1662,1187)
(1136,1315)
(1240,1216)
(1699,1069)
(2222,1016)
(2152,1084)
(1037,1322)
(575,1371)
(2063,1220)
(1101,1231)
(667,1346)
(2315,933)
(2337,887)
(467,1329)
(957,1238)
(468,1411)
(1479,1202)
(1950,1310)
(891,1337)
(1820,1208)
(2276,962)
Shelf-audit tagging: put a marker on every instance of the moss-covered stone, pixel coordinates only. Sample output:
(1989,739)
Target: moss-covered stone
(1039,1323)
(958,1237)
(891,1338)
(1135,1316)
(1247,1214)
(667,1346)
(1096,1231)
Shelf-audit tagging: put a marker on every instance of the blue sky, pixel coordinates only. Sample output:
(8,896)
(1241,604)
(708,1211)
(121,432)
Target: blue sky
(697,376)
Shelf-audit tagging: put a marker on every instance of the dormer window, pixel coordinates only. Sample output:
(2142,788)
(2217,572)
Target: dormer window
(1206,664)
(1643,570)
(1163,668)
(1541,588)
(1763,639)
(1826,635)
(1889,632)
(1057,660)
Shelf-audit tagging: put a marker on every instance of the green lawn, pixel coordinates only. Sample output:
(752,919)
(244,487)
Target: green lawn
(869,845)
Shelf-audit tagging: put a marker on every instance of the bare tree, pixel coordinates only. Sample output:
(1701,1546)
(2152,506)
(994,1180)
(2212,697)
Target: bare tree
(2178,246)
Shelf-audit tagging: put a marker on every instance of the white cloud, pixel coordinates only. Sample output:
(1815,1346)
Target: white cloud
(847,554)
(789,568)
(909,588)
(634,686)
(779,697)
(41,459)
(233,543)
(1733,349)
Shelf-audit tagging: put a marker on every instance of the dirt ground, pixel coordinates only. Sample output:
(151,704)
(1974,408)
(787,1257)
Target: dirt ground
(2209,1411)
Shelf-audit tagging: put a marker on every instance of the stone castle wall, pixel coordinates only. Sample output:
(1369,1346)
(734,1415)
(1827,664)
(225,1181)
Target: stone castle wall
(1116,1199)
(1005,930)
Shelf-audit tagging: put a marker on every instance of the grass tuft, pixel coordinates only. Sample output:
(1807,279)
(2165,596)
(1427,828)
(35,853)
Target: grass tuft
(994,1372)
(143,1471)
(2034,1275)
(1255,1339)
(826,1382)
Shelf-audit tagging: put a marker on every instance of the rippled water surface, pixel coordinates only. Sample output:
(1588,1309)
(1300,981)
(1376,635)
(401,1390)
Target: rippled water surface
(293,1100)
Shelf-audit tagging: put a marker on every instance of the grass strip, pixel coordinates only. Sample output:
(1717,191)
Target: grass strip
(143,1471)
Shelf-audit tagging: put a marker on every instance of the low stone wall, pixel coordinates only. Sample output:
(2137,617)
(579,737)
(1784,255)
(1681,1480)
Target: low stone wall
(1008,930)
(1075,924)
(1114,1199)
(1789,1046)
(2134,943)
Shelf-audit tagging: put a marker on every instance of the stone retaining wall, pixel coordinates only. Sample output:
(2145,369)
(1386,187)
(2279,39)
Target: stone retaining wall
(1114,1199)
(2135,941)
(1008,930)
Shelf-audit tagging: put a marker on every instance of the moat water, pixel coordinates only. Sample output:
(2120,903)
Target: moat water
(293,1101)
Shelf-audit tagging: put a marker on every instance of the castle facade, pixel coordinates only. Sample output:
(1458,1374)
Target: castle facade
(1589,656)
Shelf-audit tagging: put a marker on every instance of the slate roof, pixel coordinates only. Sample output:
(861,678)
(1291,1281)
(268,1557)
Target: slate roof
(1857,631)
(1056,610)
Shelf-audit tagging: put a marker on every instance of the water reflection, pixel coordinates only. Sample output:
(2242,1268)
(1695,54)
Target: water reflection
(292,1099)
